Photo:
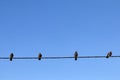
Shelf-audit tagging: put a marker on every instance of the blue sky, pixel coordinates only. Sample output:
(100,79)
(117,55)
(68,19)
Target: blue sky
(59,28)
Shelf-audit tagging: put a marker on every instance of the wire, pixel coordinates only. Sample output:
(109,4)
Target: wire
(59,57)
(109,54)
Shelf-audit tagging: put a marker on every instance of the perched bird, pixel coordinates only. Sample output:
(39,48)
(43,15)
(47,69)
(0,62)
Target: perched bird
(11,56)
(109,54)
(39,56)
(76,55)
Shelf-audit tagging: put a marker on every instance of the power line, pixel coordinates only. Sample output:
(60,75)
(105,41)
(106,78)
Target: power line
(11,57)
(58,57)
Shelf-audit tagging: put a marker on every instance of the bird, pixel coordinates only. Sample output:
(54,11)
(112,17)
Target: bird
(76,55)
(39,56)
(109,54)
(11,56)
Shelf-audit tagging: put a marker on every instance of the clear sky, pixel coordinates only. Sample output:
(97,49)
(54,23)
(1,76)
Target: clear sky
(59,28)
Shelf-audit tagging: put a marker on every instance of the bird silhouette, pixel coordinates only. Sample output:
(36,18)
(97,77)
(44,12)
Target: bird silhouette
(76,55)
(109,54)
(39,56)
(11,56)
